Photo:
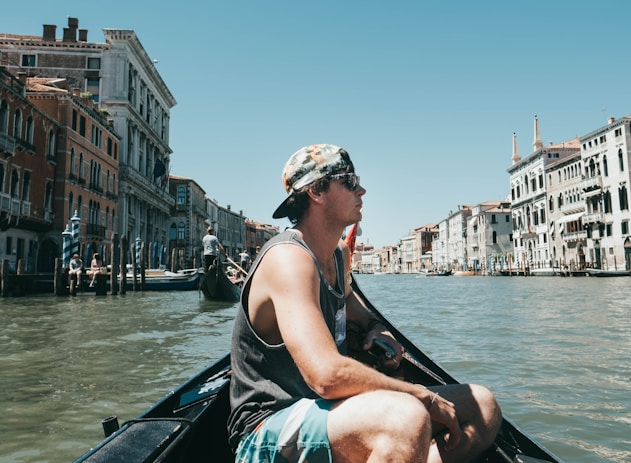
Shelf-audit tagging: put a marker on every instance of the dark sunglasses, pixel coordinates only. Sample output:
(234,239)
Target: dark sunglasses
(351,180)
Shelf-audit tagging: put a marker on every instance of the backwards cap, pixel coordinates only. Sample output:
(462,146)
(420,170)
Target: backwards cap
(307,165)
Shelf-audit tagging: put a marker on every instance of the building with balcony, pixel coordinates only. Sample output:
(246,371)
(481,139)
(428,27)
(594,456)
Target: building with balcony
(440,247)
(606,158)
(189,221)
(457,258)
(409,254)
(122,79)
(86,166)
(489,237)
(230,228)
(28,141)
(566,212)
(529,201)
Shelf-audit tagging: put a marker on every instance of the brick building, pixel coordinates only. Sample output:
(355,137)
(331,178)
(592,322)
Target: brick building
(86,159)
(28,140)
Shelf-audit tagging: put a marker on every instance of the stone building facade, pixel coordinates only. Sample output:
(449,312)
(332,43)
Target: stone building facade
(123,80)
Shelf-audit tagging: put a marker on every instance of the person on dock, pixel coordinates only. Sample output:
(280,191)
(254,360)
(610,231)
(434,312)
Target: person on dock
(294,394)
(95,267)
(212,246)
(75,270)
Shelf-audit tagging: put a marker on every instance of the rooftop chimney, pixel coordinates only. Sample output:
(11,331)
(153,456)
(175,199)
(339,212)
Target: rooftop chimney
(49,32)
(70,34)
(83,35)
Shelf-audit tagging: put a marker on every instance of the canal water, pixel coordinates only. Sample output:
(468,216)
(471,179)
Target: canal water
(554,350)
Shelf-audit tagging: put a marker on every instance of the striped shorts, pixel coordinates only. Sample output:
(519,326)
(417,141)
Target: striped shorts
(296,434)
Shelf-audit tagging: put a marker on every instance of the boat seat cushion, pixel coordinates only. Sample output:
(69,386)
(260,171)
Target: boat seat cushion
(141,441)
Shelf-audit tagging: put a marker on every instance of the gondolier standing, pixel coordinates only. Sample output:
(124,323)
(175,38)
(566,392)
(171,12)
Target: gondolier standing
(295,395)
(212,246)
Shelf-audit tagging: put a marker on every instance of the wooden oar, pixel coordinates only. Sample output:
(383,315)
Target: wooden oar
(236,265)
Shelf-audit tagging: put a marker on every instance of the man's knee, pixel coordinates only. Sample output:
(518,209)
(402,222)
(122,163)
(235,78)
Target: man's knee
(491,414)
(381,423)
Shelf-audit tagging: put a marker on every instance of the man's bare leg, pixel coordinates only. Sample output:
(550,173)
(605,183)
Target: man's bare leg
(379,426)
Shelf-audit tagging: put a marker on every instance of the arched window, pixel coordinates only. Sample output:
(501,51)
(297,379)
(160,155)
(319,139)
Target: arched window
(26,186)
(15,180)
(29,129)
(605,167)
(70,204)
(17,124)
(624,198)
(48,200)
(51,145)
(181,195)
(4,117)
(181,231)
(551,204)
(621,160)
(173,231)
(72,161)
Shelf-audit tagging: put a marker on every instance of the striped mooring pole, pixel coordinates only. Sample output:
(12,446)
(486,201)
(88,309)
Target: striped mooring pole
(76,222)
(67,245)
(138,246)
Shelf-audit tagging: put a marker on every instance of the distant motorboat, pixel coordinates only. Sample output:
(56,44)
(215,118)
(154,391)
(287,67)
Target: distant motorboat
(596,272)
(434,273)
(464,273)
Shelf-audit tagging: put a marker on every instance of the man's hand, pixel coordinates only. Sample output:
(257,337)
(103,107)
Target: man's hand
(381,344)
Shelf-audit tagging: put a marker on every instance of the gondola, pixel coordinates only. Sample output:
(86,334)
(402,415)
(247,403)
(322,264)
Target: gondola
(189,424)
(160,279)
(216,286)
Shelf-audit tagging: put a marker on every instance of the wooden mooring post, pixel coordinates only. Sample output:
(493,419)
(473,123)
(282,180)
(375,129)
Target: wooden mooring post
(115,253)
(123,261)
(4,278)
(60,279)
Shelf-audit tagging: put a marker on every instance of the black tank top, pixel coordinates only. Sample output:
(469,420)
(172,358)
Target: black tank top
(265,378)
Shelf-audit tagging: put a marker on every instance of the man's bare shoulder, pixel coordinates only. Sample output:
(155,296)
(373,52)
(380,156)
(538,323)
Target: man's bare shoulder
(287,262)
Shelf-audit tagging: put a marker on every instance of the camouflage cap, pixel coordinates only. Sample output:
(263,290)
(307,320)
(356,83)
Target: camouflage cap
(309,164)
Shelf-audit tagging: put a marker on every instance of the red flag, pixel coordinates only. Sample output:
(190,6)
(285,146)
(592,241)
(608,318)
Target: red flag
(350,238)
(350,242)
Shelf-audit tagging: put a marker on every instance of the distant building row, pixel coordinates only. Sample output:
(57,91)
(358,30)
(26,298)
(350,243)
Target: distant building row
(568,210)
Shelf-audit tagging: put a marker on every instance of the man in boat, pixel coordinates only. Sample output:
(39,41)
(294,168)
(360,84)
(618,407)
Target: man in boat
(295,395)
(212,246)
(244,259)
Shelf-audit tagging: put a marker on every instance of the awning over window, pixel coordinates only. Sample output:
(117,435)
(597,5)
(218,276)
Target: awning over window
(571,217)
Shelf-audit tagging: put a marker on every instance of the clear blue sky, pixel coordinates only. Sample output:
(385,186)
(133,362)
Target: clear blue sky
(425,96)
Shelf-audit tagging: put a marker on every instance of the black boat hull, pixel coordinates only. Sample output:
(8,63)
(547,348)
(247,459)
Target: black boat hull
(216,286)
